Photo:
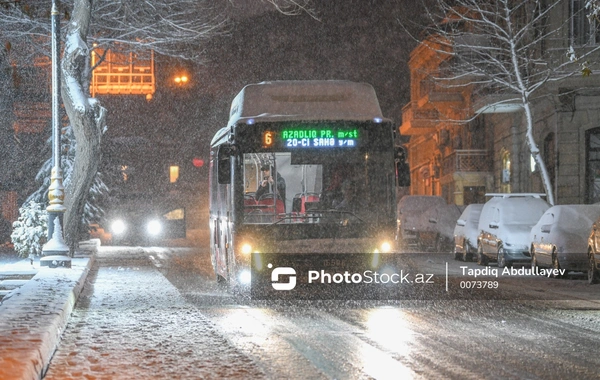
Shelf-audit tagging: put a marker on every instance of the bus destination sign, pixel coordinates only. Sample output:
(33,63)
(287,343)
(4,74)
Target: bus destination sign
(312,138)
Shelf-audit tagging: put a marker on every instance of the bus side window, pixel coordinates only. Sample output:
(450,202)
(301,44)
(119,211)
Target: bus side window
(224,164)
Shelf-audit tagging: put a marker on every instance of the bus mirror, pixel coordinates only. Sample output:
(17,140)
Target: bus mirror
(402,168)
(402,174)
(224,164)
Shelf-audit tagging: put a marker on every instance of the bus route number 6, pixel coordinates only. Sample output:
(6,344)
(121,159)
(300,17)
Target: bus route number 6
(268,138)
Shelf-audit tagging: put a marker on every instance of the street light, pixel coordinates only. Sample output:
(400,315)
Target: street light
(181,79)
(55,251)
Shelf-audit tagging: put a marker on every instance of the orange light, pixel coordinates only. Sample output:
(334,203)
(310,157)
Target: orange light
(268,138)
(181,79)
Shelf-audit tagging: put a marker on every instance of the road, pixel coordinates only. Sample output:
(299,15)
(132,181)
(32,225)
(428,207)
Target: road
(158,313)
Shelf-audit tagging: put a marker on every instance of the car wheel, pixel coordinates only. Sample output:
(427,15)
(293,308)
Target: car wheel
(467,255)
(533,261)
(501,258)
(481,258)
(457,254)
(437,244)
(555,265)
(593,275)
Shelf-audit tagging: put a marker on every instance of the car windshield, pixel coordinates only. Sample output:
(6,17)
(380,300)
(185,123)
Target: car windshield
(282,187)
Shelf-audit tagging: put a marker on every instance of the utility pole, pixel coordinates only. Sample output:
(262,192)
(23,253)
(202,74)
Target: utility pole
(55,251)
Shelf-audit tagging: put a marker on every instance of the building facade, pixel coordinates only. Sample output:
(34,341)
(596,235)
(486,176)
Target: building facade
(463,145)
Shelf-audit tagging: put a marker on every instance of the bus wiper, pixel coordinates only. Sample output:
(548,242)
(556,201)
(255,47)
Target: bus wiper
(333,211)
(314,214)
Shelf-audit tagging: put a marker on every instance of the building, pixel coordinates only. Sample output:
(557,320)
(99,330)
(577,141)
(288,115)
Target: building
(464,143)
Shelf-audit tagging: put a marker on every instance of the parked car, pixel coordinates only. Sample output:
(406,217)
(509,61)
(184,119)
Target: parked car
(466,232)
(559,240)
(426,222)
(504,226)
(593,253)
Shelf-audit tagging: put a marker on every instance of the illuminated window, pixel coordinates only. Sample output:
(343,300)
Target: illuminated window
(124,172)
(173,173)
(176,214)
(506,167)
(122,73)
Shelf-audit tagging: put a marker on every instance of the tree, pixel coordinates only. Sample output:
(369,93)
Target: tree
(175,28)
(500,47)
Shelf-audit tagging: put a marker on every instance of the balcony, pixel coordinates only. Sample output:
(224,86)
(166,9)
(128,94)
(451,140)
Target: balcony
(497,103)
(417,121)
(471,160)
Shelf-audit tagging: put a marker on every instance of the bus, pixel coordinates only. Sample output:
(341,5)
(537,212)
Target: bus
(301,167)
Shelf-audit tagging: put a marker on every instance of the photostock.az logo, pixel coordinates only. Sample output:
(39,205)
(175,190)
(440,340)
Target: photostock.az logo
(283,271)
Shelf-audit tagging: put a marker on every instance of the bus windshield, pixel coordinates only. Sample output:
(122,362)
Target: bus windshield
(301,187)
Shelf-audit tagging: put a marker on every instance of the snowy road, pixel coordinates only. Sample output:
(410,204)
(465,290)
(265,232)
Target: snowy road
(157,313)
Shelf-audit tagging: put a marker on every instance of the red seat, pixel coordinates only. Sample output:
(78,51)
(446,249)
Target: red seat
(279,207)
(299,202)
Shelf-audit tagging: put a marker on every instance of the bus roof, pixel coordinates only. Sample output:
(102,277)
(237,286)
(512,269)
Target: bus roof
(305,100)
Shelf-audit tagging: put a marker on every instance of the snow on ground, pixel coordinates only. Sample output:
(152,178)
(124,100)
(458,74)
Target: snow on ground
(131,323)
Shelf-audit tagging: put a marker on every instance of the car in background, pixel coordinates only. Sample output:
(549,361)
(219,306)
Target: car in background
(504,226)
(560,238)
(426,222)
(143,221)
(466,232)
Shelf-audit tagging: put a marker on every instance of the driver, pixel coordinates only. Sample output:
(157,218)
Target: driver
(266,185)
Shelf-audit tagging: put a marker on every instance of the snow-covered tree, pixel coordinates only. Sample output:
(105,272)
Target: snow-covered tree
(98,191)
(497,46)
(30,230)
(175,28)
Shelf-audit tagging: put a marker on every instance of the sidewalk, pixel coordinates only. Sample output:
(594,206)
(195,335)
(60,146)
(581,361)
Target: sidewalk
(33,317)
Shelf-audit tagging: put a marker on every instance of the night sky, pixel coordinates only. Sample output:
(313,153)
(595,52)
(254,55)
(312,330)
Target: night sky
(358,40)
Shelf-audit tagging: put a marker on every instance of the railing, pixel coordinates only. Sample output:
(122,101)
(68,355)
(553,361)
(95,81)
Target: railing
(471,160)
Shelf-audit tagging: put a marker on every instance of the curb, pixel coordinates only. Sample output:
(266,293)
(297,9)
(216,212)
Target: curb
(33,319)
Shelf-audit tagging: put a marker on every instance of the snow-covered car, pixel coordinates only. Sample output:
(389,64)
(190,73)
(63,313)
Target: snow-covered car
(426,222)
(504,226)
(593,253)
(466,232)
(559,240)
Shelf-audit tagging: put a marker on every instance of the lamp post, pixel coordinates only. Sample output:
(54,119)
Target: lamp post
(55,251)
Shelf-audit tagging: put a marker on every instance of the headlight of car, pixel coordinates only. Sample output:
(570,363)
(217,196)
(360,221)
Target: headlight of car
(154,227)
(118,227)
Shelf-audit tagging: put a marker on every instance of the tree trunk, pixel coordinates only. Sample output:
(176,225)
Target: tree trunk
(85,115)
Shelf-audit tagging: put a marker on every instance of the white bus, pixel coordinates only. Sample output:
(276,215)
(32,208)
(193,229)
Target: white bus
(330,184)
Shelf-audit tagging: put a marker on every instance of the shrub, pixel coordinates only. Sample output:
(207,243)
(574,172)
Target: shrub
(30,230)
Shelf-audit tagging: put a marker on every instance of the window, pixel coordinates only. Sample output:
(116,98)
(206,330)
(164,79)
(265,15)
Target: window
(173,173)
(550,156)
(505,174)
(583,32)
(593,166)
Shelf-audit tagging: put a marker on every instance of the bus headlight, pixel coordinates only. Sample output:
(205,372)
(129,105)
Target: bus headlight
(385,247)
(245,277)
(118,227)
(246,248)
(154,227)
